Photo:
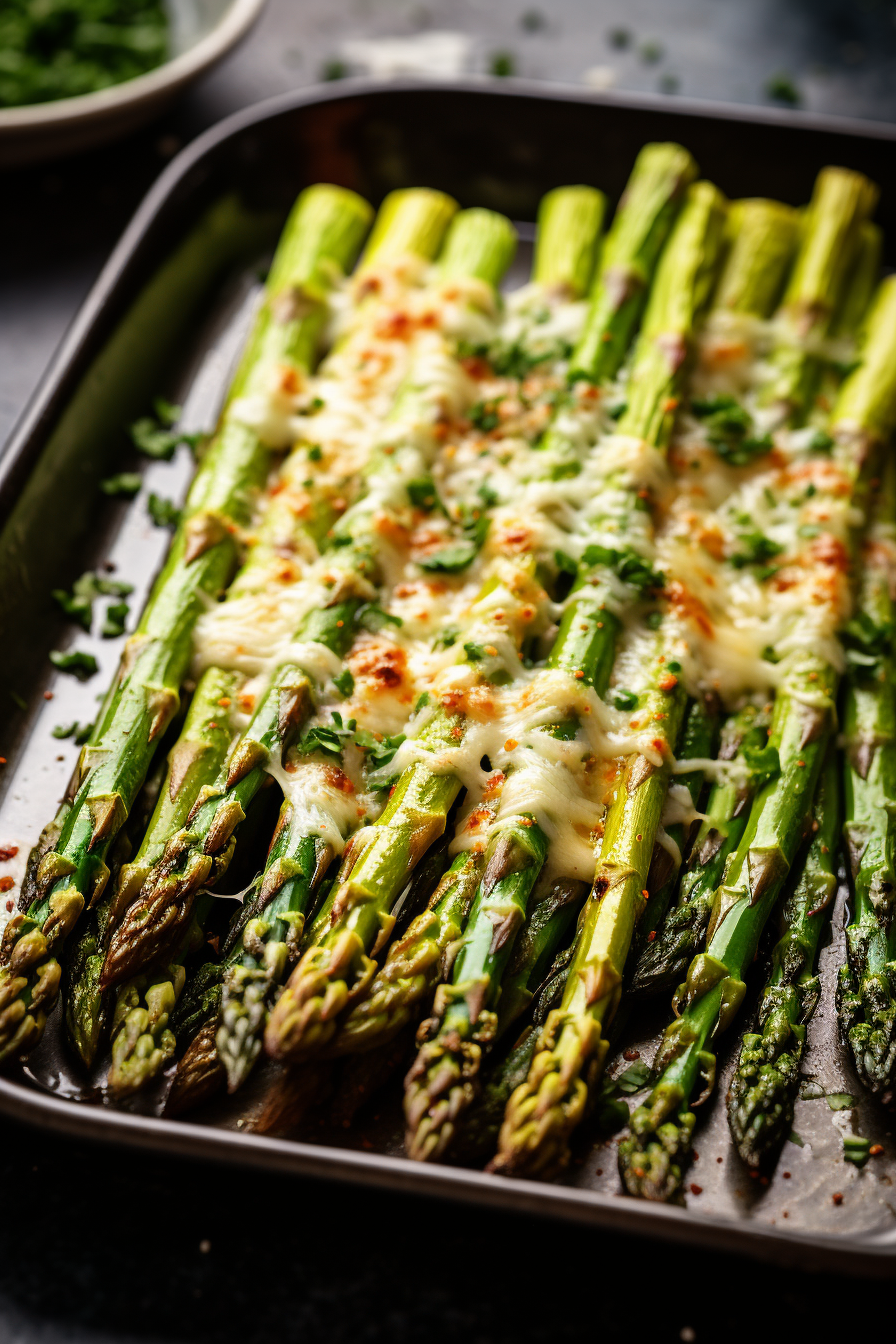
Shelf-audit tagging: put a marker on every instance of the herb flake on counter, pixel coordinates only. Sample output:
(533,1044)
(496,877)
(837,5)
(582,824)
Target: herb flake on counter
(77,664)
(126,484)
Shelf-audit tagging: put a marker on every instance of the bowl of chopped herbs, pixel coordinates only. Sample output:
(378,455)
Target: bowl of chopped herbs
(75,73)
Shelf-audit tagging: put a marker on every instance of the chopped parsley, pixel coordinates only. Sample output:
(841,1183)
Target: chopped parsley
(126,484)
(79,731)
(729,429)
(163,512)
(626,564)
(78,604)
(78,664)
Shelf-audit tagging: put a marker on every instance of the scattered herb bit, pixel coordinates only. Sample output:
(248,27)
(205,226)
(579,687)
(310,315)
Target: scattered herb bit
(166,412)
(344,683)
(565,563)
(126,484)
(625,700)
(327,740)
(782,89)
(856,1149)
(611,1112)
(616,409)
(793,1137)
(620,38)
(315,453)
(626,564)
(729,430)
(533,21)
(475,652)
(502,64)
(763,761)
(809,530)
(79,731)
(669,84)
(18,700)
(447,639)
(757,551)
(114,624)
(373,618)
(634,1077)
(156,439)
(820,442)
(840,1101)
(78,604)
(653,620)
(78,664)
(422,493)
(422,701)
(484,415)
(474,522)
(651,51)
(379,751)
(163,512)
(331,70)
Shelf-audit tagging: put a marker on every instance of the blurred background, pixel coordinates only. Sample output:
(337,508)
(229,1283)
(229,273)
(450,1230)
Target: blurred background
(819,56)
(252,1258)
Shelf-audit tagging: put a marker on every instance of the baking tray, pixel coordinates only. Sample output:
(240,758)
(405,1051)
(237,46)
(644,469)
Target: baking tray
(167,314)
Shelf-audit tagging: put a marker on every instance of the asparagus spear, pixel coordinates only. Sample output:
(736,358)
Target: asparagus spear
(832,233)
(866,991)
(443,1082)
(653,1158)
(696,742)
(763,1088)
(665,959)
(480,245)
(321,239)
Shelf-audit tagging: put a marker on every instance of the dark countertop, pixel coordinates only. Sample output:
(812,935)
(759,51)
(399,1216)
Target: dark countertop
(119,1246)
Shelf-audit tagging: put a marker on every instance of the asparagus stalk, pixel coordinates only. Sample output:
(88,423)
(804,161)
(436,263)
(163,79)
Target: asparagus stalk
(479,246)
(664,959)
(545,1109)
(764,1085)
(321,240)
(652,1160)
(832,235)
(696,742)
(866,991)
(193,764)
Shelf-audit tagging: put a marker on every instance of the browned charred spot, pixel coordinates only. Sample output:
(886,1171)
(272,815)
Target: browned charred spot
(337,779)
(638,773)
(710,847)
(514,537)
(395,326)
(476,367)
(765,868)
(861,755)
(380,662)
(689,607)
(829,550)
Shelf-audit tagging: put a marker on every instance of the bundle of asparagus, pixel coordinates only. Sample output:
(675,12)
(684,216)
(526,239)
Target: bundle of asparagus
(531,610)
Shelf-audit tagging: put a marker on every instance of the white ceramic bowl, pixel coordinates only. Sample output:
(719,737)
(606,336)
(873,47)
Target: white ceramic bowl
(202,32)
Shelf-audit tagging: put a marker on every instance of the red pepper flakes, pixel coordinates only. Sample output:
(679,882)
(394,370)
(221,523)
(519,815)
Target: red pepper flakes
(579,675)
(670,404)
(695,1188)
(9,906)
(651,935)
(837,1198)
(511,744)
(785,1174)
(340,624)
(2,760)
(224,702)
(631,1054)
(668,681)
(876,1149)
(8,852)
(7,883)
(720,1160)
(48,695)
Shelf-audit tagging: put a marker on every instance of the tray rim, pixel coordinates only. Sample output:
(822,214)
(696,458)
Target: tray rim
(873,1255)
(867,1256)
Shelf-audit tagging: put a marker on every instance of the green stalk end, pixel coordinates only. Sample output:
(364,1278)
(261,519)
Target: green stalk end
(480,245)
(566,245)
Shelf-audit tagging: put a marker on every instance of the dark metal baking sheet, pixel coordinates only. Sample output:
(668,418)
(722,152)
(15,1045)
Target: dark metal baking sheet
(167,313)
